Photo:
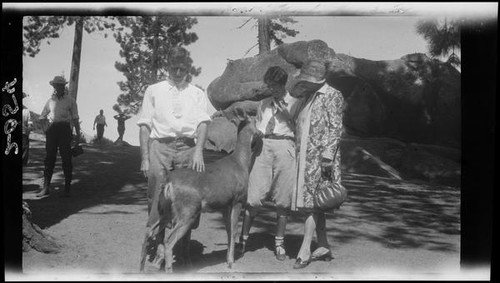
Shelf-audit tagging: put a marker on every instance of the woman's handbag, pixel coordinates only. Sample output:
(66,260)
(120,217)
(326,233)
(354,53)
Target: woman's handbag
(328,194)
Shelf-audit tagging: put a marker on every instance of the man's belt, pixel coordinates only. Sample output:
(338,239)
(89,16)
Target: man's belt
(185,140)
(277,137)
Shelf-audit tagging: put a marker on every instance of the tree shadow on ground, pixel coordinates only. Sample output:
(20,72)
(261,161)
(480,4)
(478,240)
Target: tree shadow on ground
(395,214)
(398,214)
(102,175)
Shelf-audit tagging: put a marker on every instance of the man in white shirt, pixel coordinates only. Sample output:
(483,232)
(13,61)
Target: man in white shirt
(27,127)
(100,121)
(273,173)
(59,116)
(173,121)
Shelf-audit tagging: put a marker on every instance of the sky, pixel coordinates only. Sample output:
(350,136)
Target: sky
(371,37)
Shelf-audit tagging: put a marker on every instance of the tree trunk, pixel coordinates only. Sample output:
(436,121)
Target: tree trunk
(264,39)
(75,62)
(34,237)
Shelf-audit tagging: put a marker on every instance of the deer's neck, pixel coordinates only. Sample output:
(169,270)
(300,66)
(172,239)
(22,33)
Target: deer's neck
(242,151)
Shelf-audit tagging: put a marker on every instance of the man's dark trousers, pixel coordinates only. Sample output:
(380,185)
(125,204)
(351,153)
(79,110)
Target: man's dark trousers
(58,136)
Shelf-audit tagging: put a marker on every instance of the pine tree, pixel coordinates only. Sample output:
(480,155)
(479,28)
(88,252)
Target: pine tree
(145,42)
(442,37)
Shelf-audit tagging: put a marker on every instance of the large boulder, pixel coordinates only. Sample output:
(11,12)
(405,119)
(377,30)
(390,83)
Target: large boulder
(413,98)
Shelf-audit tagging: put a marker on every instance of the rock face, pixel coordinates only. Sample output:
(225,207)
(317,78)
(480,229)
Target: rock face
(412,99)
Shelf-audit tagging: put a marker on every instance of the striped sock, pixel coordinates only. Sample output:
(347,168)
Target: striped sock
(278,241)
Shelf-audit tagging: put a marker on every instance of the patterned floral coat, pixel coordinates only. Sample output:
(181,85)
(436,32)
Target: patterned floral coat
(319,129)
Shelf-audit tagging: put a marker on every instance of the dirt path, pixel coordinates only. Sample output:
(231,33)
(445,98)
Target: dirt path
(386,229)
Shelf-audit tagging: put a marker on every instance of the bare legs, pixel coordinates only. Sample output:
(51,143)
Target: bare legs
(314,221)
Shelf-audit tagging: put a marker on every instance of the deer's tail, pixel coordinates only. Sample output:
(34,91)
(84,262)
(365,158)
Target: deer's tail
(165,206)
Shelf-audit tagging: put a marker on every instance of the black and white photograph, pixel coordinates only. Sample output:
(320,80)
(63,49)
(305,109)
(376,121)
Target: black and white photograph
(248,140)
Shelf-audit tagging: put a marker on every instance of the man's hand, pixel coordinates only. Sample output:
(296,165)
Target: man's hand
(326,168)
(198,163)
(145,167)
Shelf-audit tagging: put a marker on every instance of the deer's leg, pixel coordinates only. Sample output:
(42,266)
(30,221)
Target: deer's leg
(235,213)
(226,214)
(185,249)
(143,252)
(171,239)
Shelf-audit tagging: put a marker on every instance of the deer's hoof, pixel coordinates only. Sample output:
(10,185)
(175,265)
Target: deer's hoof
(230,264)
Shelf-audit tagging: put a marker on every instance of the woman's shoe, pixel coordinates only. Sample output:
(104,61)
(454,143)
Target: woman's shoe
(301,263)
(280,253)
(324,257)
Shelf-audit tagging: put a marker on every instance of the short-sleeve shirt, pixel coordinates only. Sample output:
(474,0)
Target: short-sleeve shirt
(284,124)
(170,111)
(63,109)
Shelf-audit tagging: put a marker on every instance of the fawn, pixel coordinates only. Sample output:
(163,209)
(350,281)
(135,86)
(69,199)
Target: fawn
(222,186)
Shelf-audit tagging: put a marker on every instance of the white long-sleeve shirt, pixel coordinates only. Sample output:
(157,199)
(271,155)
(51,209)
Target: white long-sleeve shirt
(172,112)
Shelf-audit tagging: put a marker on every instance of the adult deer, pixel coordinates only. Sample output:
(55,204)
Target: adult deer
(222,186)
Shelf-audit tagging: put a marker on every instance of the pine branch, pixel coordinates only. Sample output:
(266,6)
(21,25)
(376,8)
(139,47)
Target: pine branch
(257,44)
(246,22)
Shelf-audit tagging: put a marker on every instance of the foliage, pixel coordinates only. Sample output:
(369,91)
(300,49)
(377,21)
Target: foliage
(145,42)
(276,29)
(442,37)
(38,29)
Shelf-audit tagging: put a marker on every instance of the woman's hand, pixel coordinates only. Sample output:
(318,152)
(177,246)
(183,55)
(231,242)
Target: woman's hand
(198,163)
(326,168)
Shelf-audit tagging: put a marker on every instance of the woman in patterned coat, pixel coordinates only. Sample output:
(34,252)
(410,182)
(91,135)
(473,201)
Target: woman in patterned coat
(318,132)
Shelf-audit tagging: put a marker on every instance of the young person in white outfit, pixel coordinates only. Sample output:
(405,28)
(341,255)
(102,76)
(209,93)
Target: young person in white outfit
(273,173)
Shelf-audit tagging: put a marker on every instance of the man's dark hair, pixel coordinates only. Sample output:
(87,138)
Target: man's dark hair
(178,55)
(276,74)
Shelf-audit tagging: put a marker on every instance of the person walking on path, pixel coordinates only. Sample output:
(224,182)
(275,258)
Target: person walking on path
(121,118)
(318,132)
(173,120)
(26,128)
(273,173)
(100,122)
(58,117)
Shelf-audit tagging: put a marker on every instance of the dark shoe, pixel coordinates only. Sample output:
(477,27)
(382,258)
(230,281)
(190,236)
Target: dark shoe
(46,185)
(241,247)
(44,192)
(324,257)
(67,189)
(301,263)
(280,253)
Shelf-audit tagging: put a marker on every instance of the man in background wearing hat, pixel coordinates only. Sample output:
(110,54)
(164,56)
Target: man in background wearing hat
(319,129)
(59,115)
(273,173)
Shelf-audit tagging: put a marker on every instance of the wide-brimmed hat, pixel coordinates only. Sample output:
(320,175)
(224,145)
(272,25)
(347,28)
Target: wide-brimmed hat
(59,80)
(313,71)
